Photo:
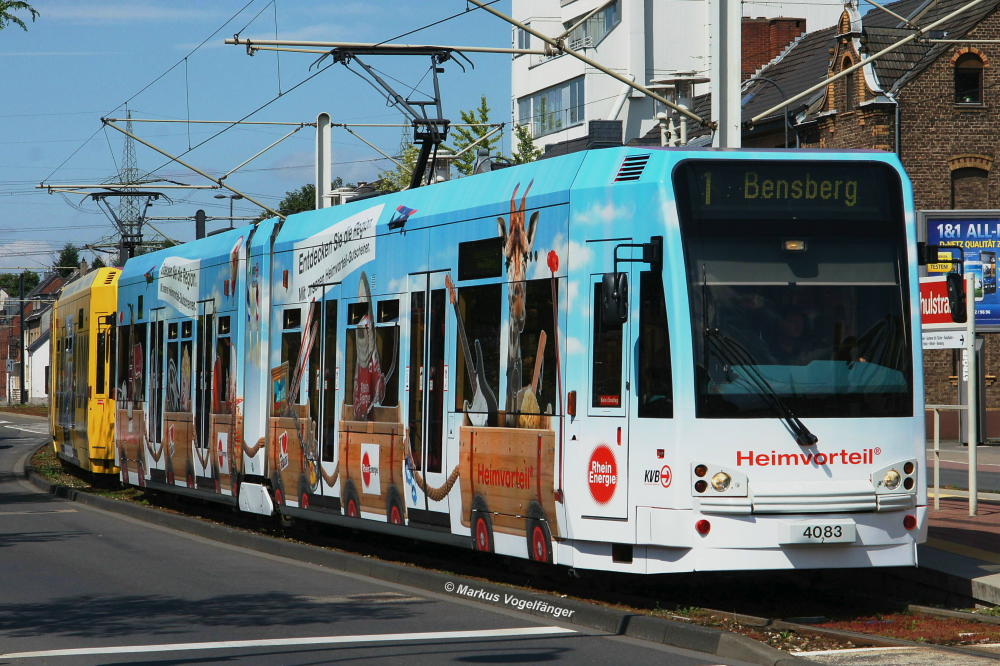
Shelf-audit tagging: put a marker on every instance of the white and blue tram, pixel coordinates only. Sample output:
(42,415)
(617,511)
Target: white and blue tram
(640,360)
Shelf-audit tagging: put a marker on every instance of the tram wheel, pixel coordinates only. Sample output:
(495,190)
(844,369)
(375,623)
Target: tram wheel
(394,510)
(538,535)
(352,505)
(482,526)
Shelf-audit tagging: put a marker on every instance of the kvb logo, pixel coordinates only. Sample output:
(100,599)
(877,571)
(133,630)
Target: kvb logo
(658,477)
(370,482)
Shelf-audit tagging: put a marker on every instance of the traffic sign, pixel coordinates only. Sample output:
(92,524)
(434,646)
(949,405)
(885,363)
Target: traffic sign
(944,339)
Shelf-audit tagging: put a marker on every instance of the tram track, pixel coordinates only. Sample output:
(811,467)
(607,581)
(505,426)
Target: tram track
(750,597)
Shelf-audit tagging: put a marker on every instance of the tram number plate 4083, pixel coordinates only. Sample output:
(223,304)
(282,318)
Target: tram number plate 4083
(821,531)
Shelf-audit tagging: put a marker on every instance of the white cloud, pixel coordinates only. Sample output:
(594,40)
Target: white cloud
(574,347)
(27,253)
(580,254)
(604,214)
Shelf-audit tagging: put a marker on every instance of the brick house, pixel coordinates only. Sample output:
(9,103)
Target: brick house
(934,102)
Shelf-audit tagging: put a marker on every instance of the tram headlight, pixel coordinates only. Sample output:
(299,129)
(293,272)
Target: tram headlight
(891,479)
(721,481)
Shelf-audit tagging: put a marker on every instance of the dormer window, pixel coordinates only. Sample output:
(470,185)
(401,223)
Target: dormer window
(969,79)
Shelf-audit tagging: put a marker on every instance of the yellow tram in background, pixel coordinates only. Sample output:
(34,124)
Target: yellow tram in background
(82,406)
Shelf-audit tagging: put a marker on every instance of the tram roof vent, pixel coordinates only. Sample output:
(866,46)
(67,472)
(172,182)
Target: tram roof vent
(632,167)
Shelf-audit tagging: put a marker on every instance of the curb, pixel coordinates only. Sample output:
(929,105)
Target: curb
(642,627)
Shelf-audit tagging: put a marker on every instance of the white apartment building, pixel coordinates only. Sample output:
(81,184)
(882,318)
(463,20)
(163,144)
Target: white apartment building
(645,40)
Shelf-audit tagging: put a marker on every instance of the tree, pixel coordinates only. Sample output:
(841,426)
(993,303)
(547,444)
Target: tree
(299,200)
(398,179)
(11,282)
(295,201)
(466,136)
(98,262)
(68,260)
(526,150)
(7,17)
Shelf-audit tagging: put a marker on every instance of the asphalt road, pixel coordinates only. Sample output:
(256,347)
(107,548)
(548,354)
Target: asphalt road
(955,467)
(83,586)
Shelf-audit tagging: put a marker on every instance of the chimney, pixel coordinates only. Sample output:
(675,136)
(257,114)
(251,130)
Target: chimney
(764,38)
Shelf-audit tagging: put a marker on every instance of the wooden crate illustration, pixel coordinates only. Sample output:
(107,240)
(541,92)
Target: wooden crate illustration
(178,434)
(130,429)
(507,485)
(292,457)
(371,464)
(226,451)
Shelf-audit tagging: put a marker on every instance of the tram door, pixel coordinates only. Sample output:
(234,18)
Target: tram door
(426,391)
(204,345)
(604,433)
(327,379)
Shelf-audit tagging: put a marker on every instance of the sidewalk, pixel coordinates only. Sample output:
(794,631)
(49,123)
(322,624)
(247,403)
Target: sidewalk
(962,553)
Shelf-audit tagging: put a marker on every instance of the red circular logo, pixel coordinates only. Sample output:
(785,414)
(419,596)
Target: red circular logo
(666,476)
(366,470)
(602,474)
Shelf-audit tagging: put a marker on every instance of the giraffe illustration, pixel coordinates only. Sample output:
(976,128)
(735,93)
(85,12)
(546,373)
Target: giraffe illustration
(518,241)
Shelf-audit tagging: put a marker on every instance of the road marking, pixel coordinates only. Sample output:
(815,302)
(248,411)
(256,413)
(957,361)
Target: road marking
(306,640)
(33,432)
(968,551)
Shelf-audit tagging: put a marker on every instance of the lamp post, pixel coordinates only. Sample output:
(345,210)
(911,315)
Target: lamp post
(230,197)
(746,100)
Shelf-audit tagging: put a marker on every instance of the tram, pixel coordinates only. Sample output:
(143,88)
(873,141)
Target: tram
(627,359)
(81,405)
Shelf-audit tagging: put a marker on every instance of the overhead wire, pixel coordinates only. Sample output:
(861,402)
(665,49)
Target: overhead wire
(260,107)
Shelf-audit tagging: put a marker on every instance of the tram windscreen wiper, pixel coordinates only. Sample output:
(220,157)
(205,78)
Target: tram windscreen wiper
(733,354)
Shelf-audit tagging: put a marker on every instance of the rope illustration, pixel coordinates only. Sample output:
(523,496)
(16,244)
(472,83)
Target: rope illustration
(436,494)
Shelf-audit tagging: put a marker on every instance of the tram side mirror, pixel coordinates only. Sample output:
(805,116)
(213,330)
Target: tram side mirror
(956,297)
(614,299)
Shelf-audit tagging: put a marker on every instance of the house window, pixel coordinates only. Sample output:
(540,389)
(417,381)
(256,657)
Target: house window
(553,109)
(522,40)
(969,79)
(969,189)
(850,88)
(595,28)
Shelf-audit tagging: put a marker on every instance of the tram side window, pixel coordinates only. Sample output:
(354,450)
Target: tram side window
(387,346)
(112,353)
(537,320)
(329,380)
(372,355)
(102,341)
(313,324)
(480,308)
(653,365)
(136,370)
(186,366)
(173,400)
(291,342)
(221,395)
(606,373)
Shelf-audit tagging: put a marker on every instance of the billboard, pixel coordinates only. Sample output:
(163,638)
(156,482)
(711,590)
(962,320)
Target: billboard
(975,235)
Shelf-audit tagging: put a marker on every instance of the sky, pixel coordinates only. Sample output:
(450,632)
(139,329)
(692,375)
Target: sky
(166,59)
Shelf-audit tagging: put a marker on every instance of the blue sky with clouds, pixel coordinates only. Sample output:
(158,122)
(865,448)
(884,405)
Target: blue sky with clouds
(80,61)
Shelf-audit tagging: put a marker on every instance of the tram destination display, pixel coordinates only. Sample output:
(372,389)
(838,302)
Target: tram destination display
(837,191)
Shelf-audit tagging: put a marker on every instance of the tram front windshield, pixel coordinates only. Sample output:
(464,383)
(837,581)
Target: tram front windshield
(797,279)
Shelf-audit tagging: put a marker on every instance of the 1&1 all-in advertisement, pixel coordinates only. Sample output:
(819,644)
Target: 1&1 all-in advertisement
(977,242)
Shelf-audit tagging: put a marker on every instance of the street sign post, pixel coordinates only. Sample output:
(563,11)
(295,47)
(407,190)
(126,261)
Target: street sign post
(939,331)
